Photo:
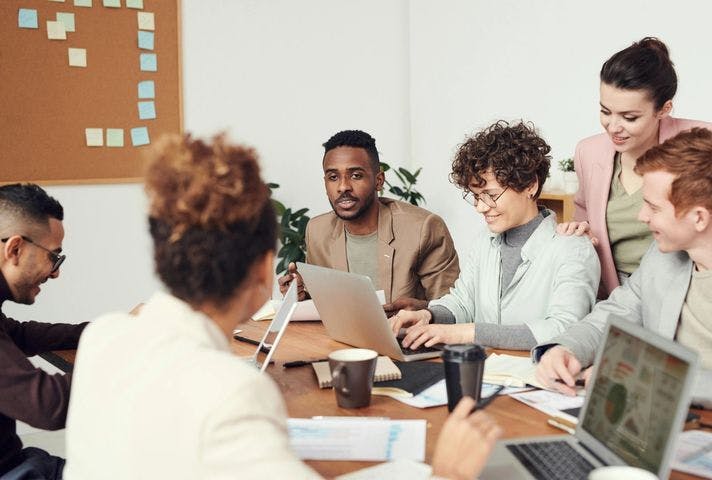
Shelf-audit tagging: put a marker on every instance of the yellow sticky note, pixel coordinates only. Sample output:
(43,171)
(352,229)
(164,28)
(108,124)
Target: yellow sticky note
(94,136)
(146,21)
(56,31)
(77,57)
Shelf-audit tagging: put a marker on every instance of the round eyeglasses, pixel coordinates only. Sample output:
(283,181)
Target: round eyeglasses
(488,199)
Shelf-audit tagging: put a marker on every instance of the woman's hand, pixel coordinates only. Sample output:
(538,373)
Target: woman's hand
(430,335)
(578,229)
(407,318)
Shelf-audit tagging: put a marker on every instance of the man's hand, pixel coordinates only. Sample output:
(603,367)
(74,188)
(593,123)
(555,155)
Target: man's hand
(286,280)
(430,335)
(465,442)
(406,318)
(578,229)
(558,370)
(404,303)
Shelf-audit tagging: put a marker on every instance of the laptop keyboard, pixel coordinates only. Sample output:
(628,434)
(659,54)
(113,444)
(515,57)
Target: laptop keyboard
(552,460)
(420,349)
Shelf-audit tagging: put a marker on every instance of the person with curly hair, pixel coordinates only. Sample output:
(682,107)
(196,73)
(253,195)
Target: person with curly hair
(638,84)
(521,284)
(161,395)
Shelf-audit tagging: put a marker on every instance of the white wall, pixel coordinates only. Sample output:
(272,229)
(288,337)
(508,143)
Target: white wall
(473,62)
(419,75)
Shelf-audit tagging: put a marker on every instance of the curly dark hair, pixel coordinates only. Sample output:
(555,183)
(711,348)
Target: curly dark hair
(210,216)
(516,154)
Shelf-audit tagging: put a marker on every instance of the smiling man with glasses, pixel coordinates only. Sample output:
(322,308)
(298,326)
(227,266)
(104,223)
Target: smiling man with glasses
(520,282)
(31,235)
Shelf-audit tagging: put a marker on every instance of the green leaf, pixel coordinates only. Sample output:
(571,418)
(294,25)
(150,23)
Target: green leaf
(409,176)
(278,207)
(385,167)
(417,172)
(300,212)
(400,177)
(273,186)
(397,191)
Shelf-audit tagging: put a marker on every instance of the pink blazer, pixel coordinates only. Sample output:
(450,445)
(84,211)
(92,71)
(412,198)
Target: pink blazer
(593,162)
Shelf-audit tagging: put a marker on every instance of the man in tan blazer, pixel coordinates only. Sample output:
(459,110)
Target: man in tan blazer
(406,250)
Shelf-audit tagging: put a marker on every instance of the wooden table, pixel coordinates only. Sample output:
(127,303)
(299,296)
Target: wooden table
(303,397)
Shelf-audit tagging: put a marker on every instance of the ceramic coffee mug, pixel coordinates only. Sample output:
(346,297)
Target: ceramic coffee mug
(352,372)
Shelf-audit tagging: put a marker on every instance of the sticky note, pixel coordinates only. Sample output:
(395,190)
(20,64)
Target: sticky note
(95,137)
(134,4)
(146,110)
(60,1)
(67,20)
(77,57)
(82,3)
(148,62)
(145,40)
(55,30)
(114,137)
(112,3)
(27,18)
(146,89)
(146,21)
(139,136)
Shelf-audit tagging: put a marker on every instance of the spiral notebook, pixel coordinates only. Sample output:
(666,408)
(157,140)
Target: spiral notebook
(385,370)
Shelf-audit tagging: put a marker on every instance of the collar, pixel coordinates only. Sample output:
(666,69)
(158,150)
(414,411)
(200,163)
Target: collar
(5,293)
(177,316)
(538,240)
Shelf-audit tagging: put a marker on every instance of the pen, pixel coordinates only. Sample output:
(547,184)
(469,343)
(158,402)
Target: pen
(486,401)
(302,363)
(578,383)
(240,338)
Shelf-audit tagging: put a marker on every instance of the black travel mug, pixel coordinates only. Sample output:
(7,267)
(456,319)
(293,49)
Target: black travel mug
(464,366)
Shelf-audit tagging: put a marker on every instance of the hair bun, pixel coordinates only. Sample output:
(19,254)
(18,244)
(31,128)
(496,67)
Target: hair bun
(654,43)
(191,183)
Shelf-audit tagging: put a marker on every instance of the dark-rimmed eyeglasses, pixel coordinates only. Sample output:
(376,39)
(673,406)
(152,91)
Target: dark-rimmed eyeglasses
(56,258)
(489,200)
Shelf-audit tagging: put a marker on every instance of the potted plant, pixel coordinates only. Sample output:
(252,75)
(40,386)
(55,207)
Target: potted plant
(570,180)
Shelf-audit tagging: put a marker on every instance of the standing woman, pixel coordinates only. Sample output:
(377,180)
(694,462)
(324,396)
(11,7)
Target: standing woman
(637,88)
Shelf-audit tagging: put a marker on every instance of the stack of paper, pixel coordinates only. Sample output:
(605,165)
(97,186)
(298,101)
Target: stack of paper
(357,438)
(510,370)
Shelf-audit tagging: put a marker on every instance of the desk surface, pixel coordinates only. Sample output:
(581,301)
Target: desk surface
(303,397)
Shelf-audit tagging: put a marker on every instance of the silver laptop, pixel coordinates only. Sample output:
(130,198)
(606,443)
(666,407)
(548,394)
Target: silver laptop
(635,407)
(351,312)
(276,328)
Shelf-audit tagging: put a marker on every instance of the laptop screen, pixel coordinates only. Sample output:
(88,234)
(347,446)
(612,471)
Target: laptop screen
(635,399)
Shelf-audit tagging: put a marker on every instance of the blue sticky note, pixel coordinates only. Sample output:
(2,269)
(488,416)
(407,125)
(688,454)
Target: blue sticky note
(27,18)
(146,89)
(112,3)
(145,40)
(146,110)
(149,63)
(139,136)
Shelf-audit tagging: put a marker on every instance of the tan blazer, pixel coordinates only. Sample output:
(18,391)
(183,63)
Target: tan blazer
(593,162)
(416,252)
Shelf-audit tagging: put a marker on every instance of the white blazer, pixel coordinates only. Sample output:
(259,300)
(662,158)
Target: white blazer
(160,395)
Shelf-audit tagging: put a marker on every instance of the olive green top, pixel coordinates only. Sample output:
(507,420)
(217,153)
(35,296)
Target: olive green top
(630,238)
(695,328)
(362,256)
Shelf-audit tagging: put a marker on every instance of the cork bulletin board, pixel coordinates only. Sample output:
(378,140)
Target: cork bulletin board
(85,87)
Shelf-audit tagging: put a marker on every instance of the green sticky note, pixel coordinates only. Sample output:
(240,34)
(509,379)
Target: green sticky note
(82,3)
(114,137)
(67,19)
(112,3)
(134,4)
(27,18)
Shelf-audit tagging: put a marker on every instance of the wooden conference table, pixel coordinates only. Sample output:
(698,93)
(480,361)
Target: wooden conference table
(303,397)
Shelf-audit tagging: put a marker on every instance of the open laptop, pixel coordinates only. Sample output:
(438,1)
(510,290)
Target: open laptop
(352,314)
(276,328)
(635,407)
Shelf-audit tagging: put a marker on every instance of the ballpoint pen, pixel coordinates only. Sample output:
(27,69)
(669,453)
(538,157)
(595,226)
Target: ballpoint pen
(240,338)
(302,363)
